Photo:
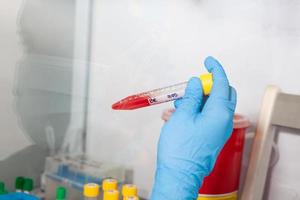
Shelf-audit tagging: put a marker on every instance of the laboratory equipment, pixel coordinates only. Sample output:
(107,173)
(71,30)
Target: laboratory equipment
(111,195)
(61,193)
(278,109)
(28,185)
(129,190)
(223,182)
(161,95)
(19,182)
(109,184)
(2,188)
(131,198)
(73,172)
(91,191)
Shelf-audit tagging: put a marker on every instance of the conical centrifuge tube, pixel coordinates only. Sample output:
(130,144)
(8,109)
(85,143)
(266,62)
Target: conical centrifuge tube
(160,95)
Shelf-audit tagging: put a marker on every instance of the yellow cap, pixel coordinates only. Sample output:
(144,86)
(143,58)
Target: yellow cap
(129,190)
(91,190)
(207,82)
(111,195)
(109,184)
(131,198)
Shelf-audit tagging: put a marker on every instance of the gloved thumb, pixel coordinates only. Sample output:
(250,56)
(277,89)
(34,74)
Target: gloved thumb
(192,99)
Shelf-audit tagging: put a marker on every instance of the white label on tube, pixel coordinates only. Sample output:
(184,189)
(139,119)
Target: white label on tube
(166,97)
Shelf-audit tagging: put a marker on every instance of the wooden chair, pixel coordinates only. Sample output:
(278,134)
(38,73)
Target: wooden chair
(278,109)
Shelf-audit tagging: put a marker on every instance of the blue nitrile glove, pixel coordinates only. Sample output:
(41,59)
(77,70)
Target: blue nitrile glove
(192,138)
(18,196)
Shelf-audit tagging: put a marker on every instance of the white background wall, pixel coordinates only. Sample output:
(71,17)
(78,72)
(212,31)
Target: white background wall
(139,45)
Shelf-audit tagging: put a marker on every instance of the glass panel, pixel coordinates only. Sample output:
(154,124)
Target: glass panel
(43,49)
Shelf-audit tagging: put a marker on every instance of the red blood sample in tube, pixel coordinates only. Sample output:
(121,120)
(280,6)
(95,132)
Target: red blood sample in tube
(132,102)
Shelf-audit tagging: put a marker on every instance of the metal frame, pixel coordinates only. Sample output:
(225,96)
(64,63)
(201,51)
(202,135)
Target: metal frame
(80,80)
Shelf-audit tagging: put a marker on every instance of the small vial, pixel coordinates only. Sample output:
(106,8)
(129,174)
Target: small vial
(111,195)
(19,182)
(131,198)
(109,184)
(129,190)
(2,188)
(91,191)
(61,193)
(28,185)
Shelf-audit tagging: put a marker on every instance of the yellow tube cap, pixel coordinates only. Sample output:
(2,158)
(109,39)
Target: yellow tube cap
(129,190)
(111,195)
(207,82)
(131,198)
(109,184)
(91,190)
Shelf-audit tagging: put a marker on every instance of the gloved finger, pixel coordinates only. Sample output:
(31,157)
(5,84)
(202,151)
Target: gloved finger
(177,103)
(220,87)
(233,99)
(191,101)
(219,107)
(233,95)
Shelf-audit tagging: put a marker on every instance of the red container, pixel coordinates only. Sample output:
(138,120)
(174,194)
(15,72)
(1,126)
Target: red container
(224,179)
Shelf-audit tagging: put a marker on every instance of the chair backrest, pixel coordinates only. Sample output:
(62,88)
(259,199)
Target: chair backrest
(278,109)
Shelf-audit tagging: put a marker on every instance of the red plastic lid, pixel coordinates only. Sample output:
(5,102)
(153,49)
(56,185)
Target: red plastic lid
(240,121)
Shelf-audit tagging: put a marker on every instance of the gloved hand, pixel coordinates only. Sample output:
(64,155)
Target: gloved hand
(192,138)
(18,196)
